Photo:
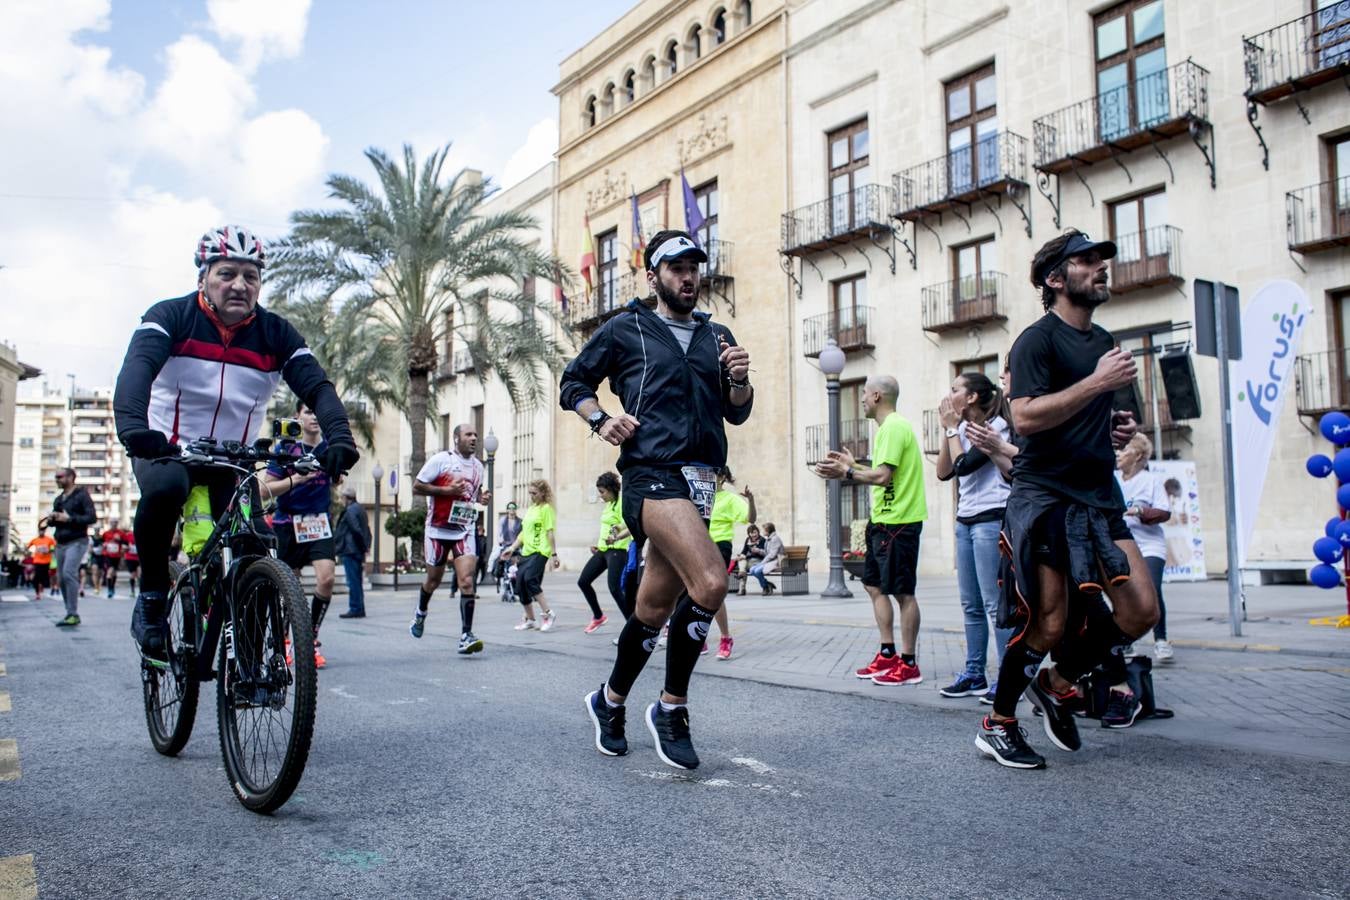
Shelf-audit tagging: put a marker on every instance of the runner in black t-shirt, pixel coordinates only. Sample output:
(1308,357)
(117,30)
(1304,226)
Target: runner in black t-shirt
(1064,371)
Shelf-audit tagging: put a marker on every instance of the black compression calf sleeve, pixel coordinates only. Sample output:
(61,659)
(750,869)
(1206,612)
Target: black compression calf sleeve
(688,630)
(636,643)
(466,605)
(423,598)
(1015,672)
(318,609)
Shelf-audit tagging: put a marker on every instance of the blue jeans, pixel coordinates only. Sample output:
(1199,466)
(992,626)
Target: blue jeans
(977,579)
(758,572)
(1156,564)
(354,568)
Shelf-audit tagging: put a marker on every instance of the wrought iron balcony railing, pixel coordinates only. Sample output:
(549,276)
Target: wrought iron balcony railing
(965,302)
(609,296)
(721,255)
(1317,217)
(1146,259)
(463,361)
(990,166)
(1298,55)
(1163,104)
(1322,382)
(863,212)
(848,327)
(855,436)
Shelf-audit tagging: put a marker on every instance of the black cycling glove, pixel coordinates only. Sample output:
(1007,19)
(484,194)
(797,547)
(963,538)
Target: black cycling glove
(147,443)
(338,459)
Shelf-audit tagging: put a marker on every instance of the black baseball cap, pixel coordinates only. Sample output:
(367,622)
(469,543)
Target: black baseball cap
(1078,245)
(673,245)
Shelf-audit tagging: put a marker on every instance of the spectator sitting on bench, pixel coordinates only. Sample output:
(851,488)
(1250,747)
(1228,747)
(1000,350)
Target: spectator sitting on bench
(773,557)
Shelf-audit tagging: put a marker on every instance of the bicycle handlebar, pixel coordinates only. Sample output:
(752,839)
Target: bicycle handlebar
(208,451)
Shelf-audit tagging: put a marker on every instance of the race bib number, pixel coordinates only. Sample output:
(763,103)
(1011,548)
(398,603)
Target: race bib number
(463,514)
(702,482)
(111,548)
(311,528)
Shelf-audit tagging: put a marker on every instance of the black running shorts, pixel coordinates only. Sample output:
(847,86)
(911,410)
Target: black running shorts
(297,555)
(1049,544)
(892,561)
(643,483)
(530,574)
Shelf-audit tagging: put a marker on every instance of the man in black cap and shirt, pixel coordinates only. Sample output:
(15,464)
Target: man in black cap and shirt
(1064,516)
(679,377)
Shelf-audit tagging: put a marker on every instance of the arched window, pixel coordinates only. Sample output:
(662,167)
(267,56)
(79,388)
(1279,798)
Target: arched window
(743,14)
(629,91)
(694,44)
(590,111)
(672,58)
(607,101)
(719,27)
(648,74)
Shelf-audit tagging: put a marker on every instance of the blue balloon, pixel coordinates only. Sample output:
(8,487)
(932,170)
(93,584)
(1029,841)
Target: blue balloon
(1319,466)
(1328,550)
(1343,496)
(1335,427)
(1324,576)
(1331,526)
(1343,533)
(1342,464)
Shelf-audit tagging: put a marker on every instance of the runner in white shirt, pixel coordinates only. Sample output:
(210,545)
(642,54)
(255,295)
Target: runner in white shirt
(452,481)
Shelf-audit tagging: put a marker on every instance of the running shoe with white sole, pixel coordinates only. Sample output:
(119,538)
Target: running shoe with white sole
(903,673)
(525,625)
(879,665)
(1056,713)
(966,685)
(594,624)
(1122,708)
(547,624)
(418,623)
(608,721)
(724,647)
(670,731)
(1006,743)
(1162,651)
(468,644)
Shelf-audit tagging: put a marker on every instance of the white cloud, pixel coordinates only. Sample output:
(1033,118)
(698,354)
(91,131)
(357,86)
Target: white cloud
(281,157)
(540,144)
(200,105)
(263,29)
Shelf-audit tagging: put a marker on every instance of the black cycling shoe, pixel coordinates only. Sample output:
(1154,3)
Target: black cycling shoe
(609,720)
(150,627)
(1056,713)
(670,730)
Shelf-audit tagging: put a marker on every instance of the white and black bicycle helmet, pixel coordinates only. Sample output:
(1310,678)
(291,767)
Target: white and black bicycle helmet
(229,242)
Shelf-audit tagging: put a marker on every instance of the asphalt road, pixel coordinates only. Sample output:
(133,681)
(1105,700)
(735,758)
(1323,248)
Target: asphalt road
(433,775)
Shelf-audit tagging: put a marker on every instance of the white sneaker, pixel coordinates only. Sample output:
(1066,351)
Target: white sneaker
(525,625)
(665,634)
(548,622)
(1162,651)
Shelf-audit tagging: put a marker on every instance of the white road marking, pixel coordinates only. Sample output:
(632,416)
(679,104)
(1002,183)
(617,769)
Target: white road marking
(753,765)
(719,783)
(341,691)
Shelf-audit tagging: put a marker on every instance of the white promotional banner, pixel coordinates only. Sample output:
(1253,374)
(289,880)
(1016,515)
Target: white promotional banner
(1182,532)
(1272,325)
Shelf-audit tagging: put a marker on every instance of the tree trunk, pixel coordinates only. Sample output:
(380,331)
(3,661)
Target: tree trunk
(417,424)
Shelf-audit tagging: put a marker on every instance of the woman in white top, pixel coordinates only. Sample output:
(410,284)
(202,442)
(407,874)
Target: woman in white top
(1146,508)
(982,494)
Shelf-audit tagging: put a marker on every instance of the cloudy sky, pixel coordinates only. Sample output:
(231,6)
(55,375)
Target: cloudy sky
(133,125)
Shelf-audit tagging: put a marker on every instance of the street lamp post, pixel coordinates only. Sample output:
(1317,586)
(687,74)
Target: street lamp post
(378,474)
(832,364)
(490,445)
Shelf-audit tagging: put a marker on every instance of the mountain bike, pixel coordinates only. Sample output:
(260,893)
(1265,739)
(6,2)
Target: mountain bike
(235,605)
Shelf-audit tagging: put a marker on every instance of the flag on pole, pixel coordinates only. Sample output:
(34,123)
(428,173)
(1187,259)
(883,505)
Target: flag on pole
(558,296)
(588,255)
(639,242)
(693,219)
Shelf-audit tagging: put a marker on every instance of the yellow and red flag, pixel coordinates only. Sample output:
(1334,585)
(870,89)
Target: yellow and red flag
(588,256)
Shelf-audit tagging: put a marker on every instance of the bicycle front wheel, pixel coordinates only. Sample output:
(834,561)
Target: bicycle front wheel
(171,690)
(265,692)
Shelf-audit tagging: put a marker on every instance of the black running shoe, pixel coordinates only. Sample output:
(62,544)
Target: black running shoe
(1122,708)
(1056,714)
(608,720)
(1006,743)
(670,730)
(149,626)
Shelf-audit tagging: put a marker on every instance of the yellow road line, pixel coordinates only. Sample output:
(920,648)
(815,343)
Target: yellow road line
(18,878)
(9,762)
(4,702)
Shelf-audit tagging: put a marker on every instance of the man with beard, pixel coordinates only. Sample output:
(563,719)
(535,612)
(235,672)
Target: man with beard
(1064,517)
(679,376)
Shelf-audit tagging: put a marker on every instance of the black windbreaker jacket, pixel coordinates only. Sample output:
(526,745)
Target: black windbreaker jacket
(679,400)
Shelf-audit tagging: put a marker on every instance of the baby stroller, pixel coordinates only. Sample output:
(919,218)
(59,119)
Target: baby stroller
(506,580)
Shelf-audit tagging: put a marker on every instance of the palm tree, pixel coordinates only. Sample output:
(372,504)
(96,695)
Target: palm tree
(419,250)
(354,349)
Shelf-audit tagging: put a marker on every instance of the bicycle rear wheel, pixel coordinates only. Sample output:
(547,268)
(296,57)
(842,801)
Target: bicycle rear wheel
(171,691)
(265,692)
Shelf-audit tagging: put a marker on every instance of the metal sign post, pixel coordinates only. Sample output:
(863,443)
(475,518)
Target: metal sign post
(1216,307)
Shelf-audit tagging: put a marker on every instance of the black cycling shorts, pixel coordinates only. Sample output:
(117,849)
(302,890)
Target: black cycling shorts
(649,483)
(892,561)
(297,555)
(530,576)
(1050,545)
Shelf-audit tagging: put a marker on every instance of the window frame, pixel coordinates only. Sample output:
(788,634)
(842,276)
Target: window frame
(853,165)
(607,270)
(971,174)
(710,229)
(1128,56)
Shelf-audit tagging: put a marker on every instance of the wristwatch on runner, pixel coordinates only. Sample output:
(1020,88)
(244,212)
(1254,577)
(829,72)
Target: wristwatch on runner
(596,420)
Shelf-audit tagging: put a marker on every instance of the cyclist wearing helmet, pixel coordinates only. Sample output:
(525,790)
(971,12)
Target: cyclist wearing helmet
(206,365)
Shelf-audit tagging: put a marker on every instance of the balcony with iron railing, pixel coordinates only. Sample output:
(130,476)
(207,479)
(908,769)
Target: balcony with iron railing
(1317,217)
(463,361)
(965,302)
(848,327)
(864,212)
(606,299)
(855,436)
(721,256)
(1298,55)
(994,164)
(1146,259)
(1322,382)
(1161,105)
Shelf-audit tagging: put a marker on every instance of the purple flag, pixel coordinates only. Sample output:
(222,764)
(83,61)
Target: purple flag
(693,219)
